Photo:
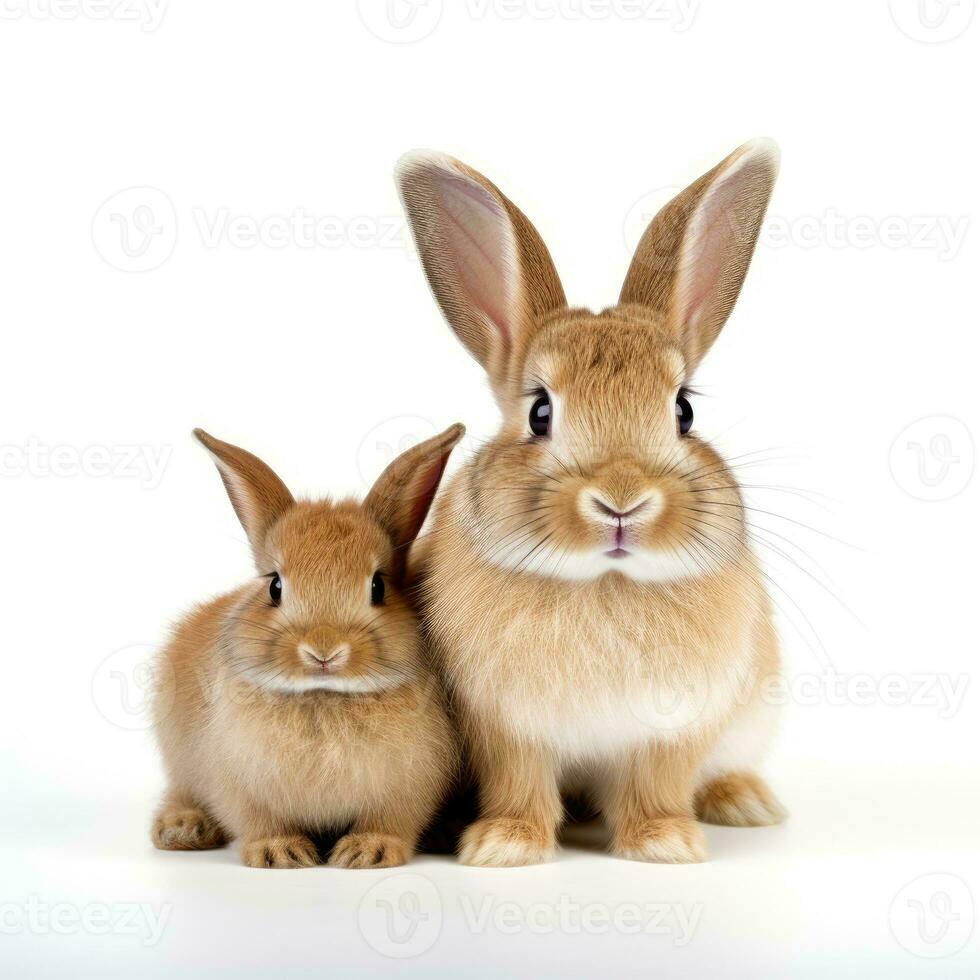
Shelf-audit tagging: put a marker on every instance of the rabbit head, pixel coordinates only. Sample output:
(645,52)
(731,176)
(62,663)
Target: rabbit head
(328,609)
(597,467)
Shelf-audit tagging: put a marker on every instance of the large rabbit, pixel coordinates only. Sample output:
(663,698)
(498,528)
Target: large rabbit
(588,586)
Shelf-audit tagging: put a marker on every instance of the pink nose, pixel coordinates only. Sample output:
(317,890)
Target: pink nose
(327,662)
(604,508)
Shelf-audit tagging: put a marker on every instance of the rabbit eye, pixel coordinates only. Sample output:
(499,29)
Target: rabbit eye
(540,417)
(377,589)
(685,414)
(275,590)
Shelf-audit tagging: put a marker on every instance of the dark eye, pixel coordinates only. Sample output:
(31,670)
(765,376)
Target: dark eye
(275,590)
(685,414)
(377,589)
(540,417)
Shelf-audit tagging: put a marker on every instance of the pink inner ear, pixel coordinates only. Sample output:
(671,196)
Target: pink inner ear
(710,243)
(481,244)
(424,485)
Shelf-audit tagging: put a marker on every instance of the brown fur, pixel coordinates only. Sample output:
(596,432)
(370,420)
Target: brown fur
(264,742)
(557,661)
(738,799)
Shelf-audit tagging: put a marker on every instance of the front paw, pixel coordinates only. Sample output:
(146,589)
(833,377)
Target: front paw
(502,842)
(369,851)
(663,840)
(185,829)
(292,851)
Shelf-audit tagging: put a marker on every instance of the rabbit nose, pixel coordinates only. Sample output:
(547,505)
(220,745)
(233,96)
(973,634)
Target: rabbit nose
(329,662)
(614,512)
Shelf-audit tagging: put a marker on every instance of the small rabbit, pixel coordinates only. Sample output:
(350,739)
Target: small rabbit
(588,587)
(302,702)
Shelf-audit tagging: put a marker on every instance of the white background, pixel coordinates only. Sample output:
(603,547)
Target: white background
(858,319)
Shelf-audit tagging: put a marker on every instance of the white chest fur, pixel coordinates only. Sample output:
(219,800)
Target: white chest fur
(588,682)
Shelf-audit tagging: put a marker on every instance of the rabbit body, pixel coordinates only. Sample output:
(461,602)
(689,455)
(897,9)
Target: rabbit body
(589,590)
(303,703)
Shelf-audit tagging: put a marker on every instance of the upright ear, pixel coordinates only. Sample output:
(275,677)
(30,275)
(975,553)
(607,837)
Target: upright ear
(400,498)
(692,259)
(490,272)
(259,497)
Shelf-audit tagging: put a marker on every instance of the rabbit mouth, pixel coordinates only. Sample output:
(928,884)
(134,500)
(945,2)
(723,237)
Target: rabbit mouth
(315,681)
(619,549)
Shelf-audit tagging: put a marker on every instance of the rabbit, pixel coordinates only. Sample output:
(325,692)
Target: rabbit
(302,703)
(588,588)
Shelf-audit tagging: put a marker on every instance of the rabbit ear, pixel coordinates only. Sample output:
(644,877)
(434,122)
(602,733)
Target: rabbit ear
(490,272)
(259,497)
(692,259)
(400,498)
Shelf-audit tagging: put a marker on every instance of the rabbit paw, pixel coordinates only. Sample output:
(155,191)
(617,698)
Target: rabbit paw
(663,840)
(738,800)
(292,851)
(369,851)
(185,829)
(502,842)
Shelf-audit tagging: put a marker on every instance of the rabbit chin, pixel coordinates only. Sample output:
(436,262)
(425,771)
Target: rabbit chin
(638,564)
(307,683)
